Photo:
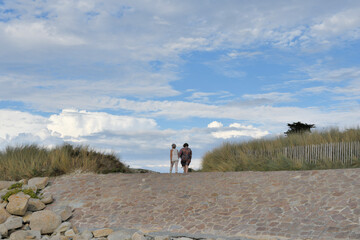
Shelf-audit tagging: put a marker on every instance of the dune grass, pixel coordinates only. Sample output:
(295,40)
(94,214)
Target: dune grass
(33,161)
(241,157)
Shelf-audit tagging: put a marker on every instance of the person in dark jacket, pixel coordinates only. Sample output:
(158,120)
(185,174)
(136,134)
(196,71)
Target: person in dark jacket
(185,155)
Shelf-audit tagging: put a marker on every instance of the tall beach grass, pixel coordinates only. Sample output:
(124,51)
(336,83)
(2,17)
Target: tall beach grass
(242,157)
(31,161)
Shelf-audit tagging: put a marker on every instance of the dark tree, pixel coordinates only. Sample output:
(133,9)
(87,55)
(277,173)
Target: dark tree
(299,127)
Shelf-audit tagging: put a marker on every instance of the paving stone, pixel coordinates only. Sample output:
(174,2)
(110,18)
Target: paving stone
(283,204)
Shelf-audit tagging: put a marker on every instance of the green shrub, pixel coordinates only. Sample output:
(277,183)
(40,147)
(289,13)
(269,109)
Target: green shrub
(32,161)
(266,154)
(9,193)
(15,185)
(29,192)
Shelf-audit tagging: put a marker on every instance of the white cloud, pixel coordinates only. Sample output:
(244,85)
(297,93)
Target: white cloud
(317,73)
(247,54)
(344,22)
(37,33)
(215,124)
(13,123)
(238,130)
(271,98)
(74,123)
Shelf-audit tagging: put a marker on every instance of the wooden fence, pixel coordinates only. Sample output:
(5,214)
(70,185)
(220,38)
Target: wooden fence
(345,152)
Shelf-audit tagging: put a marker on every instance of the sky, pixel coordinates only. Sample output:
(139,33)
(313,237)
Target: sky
(133,77)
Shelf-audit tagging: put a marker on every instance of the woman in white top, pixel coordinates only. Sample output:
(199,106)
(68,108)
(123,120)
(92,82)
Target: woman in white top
(174,158)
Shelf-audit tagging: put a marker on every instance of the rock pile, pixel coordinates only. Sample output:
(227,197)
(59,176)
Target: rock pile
(24,217)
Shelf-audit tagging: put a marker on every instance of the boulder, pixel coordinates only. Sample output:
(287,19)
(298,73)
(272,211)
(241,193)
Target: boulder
(18,204)
(3,215)
(70,233)
(3,230)
(26,187)
(21,235)
(47,198)
(24,181)
(13,222)
(161,238)
(63,228)
(138,236)
(57,237)
(6,184)
(66,213)
(3,204)
(38,182)
(45,221)
(104,232)
(35,205)
(120,235)
(86,235)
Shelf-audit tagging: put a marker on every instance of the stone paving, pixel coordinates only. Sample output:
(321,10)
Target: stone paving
(237,205)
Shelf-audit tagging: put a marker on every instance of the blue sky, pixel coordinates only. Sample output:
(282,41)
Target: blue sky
(133,77)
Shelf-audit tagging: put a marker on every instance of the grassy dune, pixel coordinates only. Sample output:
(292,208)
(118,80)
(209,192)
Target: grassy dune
(30,161)
(241,157)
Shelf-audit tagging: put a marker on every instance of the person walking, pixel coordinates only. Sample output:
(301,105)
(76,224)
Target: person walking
(185,155)
(174,158)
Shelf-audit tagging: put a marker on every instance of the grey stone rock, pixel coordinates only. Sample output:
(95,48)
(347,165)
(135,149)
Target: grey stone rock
(13,222)
(3,204)
(18,204)
(33,188)
(87,235)
(45,221)
(3,230)
(21,235)
(70,233)
(3,215)
(57,237)
(103,232)
(184,238)
(161,238)
(138,236)
(66,213)
(63,228)
(39,182)
(23,181)
(120,235)
(35,205)
(35,233)
(6,184)
(47,198)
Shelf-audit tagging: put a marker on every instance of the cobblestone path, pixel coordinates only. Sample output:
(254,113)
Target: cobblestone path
(294,205)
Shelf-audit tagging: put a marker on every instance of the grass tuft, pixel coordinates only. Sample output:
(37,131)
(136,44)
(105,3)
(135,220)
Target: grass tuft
(244,157)
(33,161)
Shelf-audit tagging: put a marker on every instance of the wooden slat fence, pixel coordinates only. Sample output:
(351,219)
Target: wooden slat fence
(345,152)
